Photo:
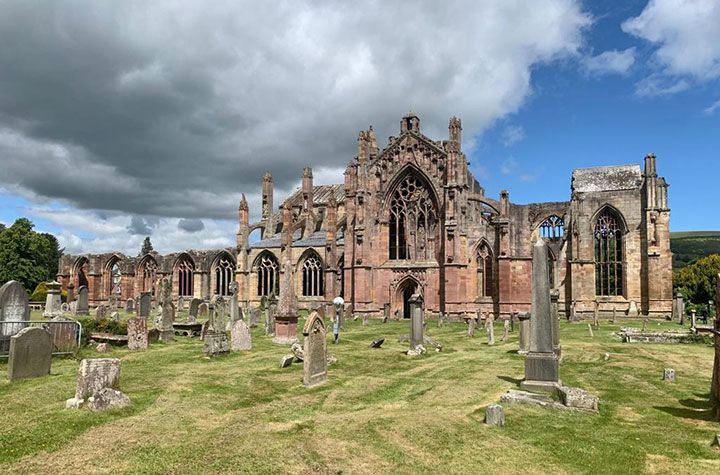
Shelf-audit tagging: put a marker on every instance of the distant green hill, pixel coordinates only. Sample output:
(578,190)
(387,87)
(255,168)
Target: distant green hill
(688,246)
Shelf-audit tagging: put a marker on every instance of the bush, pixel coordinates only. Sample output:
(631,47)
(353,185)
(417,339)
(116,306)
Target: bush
(40,293)
(90,325)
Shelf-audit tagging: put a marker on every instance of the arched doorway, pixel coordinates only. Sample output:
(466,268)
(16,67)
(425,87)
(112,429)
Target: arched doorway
(404,291)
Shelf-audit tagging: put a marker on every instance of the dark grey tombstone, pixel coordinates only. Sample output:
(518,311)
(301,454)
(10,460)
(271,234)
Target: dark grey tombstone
(314,351)
(194,307)
(82,301)
(14,311)
(416,321)
(542,369)
(30,354)
(130,305)
(145,305)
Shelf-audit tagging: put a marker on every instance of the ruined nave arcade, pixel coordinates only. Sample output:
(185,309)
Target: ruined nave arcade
(411,218)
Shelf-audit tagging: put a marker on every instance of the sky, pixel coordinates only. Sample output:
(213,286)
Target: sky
(120,120)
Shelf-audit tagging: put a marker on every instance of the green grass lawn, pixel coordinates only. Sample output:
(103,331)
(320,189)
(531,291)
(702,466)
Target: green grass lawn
(380,412)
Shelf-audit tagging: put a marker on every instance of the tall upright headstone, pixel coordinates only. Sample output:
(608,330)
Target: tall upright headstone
(167,315)
(113,303)
(83,307)
(287,314)
(240,337)
(30,354)
(542,369)
(416,321)
(194,309)
(53,300)
(270,319)
(490,328)
(233,303)
(315,351)
(215,340)
(14,311)
(137,332)
(145,305)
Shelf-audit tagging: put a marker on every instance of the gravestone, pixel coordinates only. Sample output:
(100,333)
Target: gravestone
(204,310)
(596,311)
(113,303)
(153,335)
(490,327)
(145,305)
(524,324)
(73,307)
(100,312)
(386,312)
(471,327)
(194,308)
(633,310)
(30,354)
(669,375)
(573,311)
(416,321)
(115,316)
(167,312)
(14,311)
(130,305)
(180,304)
(215,341)
(107,399)
(495,415)
(93,375)
(234,307)
(137,333)
(82,301)
(271,311)
(315,351)
(240,338)
(506,330)
(541,363)
(287,311)
(53,300)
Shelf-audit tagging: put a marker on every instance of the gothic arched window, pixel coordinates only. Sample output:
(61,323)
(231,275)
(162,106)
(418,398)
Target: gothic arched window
(484,271)
(552,228)
(149,271)
(223,273)
(312,276)
(115,279)
(185,270)
(413,221)
(608,254)
(267,275)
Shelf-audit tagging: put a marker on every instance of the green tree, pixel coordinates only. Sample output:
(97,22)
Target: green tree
(697,280)
(27,256)
(146,246)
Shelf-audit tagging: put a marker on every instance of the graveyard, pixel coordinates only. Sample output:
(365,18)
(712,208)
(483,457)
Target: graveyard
(379,411)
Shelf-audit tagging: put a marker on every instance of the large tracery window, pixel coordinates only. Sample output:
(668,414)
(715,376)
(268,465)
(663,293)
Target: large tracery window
(485,271)
(608,254)
(149,270)
(413,221)
(552,228)
(224,274)
(185,270)
(115,279)
(312,276)
(267,275)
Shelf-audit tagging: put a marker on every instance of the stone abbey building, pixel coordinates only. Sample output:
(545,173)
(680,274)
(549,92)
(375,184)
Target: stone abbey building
(411,218)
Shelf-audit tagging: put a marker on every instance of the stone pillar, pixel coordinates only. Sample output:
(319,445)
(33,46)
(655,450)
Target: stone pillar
(53,301)
(416,321)
(287,316)
(524,324)
(541,364)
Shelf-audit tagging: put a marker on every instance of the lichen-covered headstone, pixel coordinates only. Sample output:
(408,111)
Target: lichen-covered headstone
(14,309)
(113,303)
(315,351)
(471,327)
(30,354)
(100,312)
(495,415)
(167,332)
(93,375)
(137,333)
(506,330)
(669,374)
(240,338)
(215,339)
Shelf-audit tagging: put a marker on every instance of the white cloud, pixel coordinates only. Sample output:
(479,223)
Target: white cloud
(610,62)
(687,36)
(512,134)
(712,108)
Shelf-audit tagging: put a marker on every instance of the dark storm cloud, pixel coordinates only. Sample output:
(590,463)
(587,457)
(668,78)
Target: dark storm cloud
(174,108)
(140,225)
(191,225)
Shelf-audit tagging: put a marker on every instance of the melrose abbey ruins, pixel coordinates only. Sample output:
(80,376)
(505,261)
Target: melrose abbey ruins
(412,219)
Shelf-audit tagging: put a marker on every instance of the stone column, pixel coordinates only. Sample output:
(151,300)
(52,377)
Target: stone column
(554,299)
(416,321)
(287,315)
(541,364)
(53,301)
(524,323)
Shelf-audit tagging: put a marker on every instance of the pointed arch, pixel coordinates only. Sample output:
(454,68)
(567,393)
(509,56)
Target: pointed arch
(404,289)
(485,260)
(81,268)
(222,272)
(112,276)
(552,228)
(412,211)
(147,272)
(312,267)
(183,274)
(608,235)
(267,268)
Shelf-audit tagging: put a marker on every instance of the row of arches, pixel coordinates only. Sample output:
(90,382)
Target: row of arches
(312,269)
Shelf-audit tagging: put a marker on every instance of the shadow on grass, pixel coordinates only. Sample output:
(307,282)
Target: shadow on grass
(510,380)
(698,409)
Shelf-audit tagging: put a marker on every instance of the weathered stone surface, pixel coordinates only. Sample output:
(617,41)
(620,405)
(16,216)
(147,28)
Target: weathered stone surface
(240,337)
(153,335)
(633,310)
(298,352)
(471,327)
(331,360)
(579,399)
(115,316)
(194,308)
(30,353)
(315,351)
(107,399)
(167,311)
(506,330)
(14,309)
(95,374)
(669,375)
(233,307)
(377,343)
(137,333)
(215,339)
(417,351)
(635,335)
(102,348)
(82,301)
(286,361)
(495,415)
(100,312)
(524,324)
(490,328)
(204,309)
(130,305)
(416,320)
(53,300)
(428,341)
(113,303)
(145,305)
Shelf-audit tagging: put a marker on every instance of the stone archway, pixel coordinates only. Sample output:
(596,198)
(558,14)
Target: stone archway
(404,290)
